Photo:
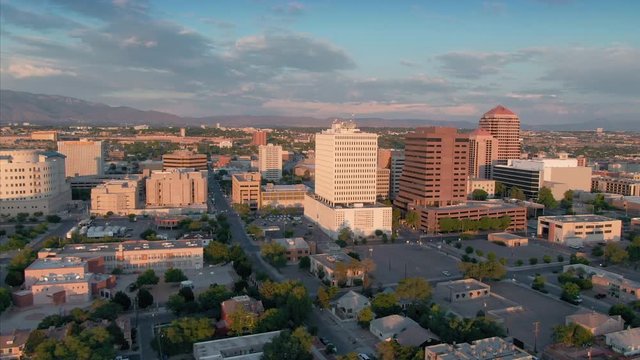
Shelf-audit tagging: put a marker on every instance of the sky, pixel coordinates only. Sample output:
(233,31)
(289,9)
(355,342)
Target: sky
(550,61)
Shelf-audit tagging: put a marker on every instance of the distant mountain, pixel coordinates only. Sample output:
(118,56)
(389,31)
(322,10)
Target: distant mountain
(17,106)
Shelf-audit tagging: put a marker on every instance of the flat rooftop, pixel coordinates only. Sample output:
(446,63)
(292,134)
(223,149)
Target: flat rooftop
(127,246)
(508,236)
(253,177)
(56,263)
(330,260)
(274,188)
(476,205)
(293,243)
(467,285)
(63,279)
(576,218)
(234,346)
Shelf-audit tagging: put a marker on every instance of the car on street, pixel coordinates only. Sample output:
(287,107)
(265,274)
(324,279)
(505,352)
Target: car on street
(600,296)
(363,356)
(446,273)
(331,349)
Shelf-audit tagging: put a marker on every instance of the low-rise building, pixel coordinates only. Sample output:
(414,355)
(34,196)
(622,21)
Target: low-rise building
(405,330)
(619,186)
(336,268)
(467,289)
(614,285)
(362,219)
(283,195)
(296,248)
(50,135)
(351,303)
(573,229)
(596,323)
(484,349)
(247,303)
(245,189)
(430,217)
(12,344)
(625,342)
(134,256)
(508,239)
(489,186)
(248,347)
(119,197)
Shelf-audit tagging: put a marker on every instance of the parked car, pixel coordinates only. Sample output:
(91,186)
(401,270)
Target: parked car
(331,349)
(324,341)
(363,356)
(446,273)
(600,296)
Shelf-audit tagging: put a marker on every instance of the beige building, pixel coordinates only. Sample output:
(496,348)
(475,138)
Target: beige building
(467,289)
(483,151)
(597,323)
(32,181)
(247,347)
(504,125)
(508,239)
(245,189)
(283,195)
(51,135)
(578,229)
(177,188)
(324,266)
(482,184)
(120,197)
(58,280)
(625,342)
(184,159)
(484,349)
(296,248)
(270,162)
(346,182)
(84,157)
(619,186)
(383,180)
(12,344)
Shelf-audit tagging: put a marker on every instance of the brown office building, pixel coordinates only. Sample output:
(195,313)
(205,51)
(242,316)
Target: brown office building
(435,168)
(184,159)
(504,125)
(259,138)
(245,189)
(483,151)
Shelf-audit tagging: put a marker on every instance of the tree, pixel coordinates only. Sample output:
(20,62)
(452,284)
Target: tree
(413,289)
(181,334)
(538,283)
(345,235)
(304,263)
(173,275)
(216,252)
(547,259)
(275,254)
(545,197)
(481,270)
(572,335)
(626,312)
(53,219)
(305,339)
(285,346)
(148,277)
(614,253)
(149,234)
(479,194)
(348,356)
(365,316)
(242,321)
(517,193)
(102,309)
(500,189)
(271,320)
(384,304)
(413,219)
(123,300)
(570,291)
(5,299)
(323,298)
(145,299)
(211,298)
(533,261)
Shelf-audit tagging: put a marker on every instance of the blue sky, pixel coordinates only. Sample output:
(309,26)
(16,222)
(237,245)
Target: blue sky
(551,61)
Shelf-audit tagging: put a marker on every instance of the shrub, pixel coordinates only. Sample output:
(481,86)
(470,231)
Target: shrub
(458,245)
(468,249)
(533,261)
(546,259)
(560,258)
(53,219)
(519,262)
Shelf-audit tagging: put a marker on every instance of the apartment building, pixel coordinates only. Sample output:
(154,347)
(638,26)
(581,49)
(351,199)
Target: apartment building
(176,188)
(397,165)
(245,189)
(577,229)
(119,197)
(483,152)
(270,162)
(83,157)
(32,181)
(184,159)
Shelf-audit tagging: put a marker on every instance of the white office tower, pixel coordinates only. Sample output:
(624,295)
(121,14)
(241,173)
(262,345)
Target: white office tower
(270,157)
(84,157)
(345,182)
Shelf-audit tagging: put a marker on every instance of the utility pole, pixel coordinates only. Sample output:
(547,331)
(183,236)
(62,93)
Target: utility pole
(536,329)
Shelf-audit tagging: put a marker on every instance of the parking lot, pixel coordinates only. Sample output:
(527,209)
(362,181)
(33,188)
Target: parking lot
(393,260)
(513,254)
(537,307)
(137,227)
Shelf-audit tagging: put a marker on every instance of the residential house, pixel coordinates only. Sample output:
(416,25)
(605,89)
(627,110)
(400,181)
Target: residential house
(597,323)
(626,342)
(351,303)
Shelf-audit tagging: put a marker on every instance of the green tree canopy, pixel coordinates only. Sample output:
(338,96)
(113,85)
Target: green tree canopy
(216,252)
(384,304)
(145,299)
(181,334)
(572,335)
(286,347)
(148,277)
(545,197)
(614,253)
(517,193)
(173,275)
(479,194)
(365,316)
(275,254)
(413,289)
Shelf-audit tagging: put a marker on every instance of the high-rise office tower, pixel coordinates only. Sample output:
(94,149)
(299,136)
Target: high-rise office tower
(504,125)
(483,151)
(259,138)
(84,157)
(397,164)
(346,163)
(270,158)
(435,169)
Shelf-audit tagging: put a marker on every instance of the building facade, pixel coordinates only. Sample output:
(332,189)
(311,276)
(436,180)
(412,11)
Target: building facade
(504,125)
(489,186)
(119,197)
(177,188)
(84,157)
(578,229)
(283,195)
(383,178)
(483,349)
(435,169)
(247,347)
(270,162)
(259,138)
(397,165)
(619,186)
(324,267)
(431,217)
(245,189)
(297,248)
(184,159)
(32,181)
(625,342)
(483,152)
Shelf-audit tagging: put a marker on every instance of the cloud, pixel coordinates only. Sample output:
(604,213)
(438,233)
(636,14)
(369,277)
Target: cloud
(35,21)
(291,50)
(26,70)
(106,9)
(290,8)
(146,94)
(221,24)
(408,63)
(474,65)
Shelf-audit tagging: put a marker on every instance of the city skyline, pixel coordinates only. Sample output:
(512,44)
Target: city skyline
(548,61)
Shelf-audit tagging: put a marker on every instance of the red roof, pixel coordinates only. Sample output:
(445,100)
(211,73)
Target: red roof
(499,110)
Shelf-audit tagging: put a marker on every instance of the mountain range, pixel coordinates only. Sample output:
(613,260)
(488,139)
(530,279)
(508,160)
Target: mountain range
(17,106)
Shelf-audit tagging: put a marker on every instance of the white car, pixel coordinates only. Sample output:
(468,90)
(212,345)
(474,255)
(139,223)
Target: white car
(363,356)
